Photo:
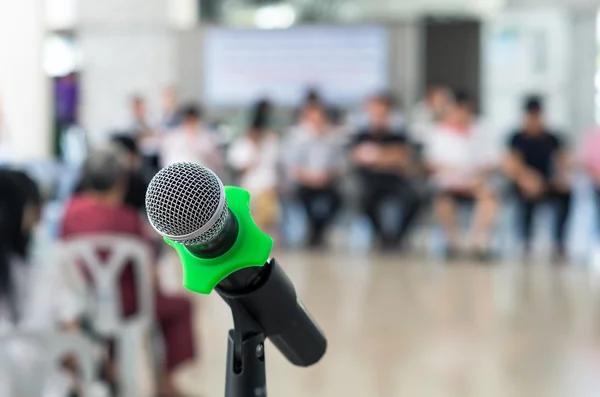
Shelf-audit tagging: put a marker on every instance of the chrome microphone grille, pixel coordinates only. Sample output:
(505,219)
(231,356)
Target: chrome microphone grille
(185,202)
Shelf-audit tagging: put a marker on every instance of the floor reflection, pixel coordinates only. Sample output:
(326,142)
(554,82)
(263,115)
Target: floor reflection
(405,327)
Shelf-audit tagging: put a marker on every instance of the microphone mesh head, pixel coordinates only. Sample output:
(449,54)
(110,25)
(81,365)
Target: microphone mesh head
(185,202)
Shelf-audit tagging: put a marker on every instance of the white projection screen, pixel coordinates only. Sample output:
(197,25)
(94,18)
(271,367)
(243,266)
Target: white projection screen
(345,63)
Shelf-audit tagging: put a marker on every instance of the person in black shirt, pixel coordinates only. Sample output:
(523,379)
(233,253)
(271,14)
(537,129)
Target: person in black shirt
(383,157)
(538,166)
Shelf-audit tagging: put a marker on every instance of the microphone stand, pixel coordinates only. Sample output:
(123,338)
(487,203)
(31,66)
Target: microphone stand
(246,374)
(263,303)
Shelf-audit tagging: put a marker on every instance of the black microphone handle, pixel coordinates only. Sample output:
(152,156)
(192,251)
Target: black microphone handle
(269,297)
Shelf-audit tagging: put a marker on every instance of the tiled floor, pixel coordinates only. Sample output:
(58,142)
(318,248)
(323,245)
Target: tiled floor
(405,327)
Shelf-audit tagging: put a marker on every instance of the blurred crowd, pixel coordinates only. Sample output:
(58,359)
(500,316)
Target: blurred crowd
(439,155)
(430,161)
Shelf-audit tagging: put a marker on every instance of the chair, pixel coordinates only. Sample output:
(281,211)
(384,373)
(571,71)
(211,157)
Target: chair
(24,353)
(104,300)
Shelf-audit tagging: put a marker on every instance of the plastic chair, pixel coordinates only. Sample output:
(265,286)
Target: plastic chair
(105,309)
(25,353)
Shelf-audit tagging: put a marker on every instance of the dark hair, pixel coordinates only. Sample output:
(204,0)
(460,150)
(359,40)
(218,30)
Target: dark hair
(259,122)
(262,106)
(462,98)
(435,86)
(533,104)
(18,191)
(191,111)
(126,142)
(312,97)
(384,98)
(137,98)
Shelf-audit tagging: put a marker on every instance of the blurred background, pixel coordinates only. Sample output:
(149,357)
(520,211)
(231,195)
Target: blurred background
(429,170)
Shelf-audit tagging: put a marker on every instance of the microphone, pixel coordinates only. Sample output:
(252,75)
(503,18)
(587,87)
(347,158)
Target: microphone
(221,248)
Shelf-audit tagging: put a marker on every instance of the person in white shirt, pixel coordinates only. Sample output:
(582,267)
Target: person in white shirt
(255,156)
(460,157)
(316,162)
(169,112)
(34,293)
(192,142)
(429,112)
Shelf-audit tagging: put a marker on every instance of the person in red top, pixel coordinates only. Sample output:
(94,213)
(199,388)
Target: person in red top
(100,209)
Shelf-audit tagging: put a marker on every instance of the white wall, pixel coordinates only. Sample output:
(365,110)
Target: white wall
(24,90)
(528,50)
(127,48)
(583,66)
(550,50)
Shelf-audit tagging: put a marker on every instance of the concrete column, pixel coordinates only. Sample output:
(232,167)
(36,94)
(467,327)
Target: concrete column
(24,89)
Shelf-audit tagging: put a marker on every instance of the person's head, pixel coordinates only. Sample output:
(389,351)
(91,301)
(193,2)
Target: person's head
(533,114)
(312,97)
(462,110)
(316,117)
(258,126)
(262,108)
(438,98)
(129,149)
(138,106)
(191,116)
(20,204)
(105,174)
(169,99)
(379,110)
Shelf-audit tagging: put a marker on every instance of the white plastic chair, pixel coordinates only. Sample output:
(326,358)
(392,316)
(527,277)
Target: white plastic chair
(27,359)
(104,298)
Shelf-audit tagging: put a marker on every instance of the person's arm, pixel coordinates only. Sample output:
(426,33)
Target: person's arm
(526,178)
(513,165)
(562,162)
(394,157)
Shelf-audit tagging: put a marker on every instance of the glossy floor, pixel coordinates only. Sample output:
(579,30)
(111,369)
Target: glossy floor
(405,327)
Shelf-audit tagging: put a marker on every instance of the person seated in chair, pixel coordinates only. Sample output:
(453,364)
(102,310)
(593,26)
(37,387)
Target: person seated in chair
(538,166)
(316,163)
(35,296)
(460,159)
(101,210)
(591,162)
(383,157)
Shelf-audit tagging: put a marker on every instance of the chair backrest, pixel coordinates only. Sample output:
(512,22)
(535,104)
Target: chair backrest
(104,299)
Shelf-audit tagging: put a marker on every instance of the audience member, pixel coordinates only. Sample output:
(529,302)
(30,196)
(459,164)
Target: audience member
(255,158)
(316,162)
(432,110)
(192,142)
(169,117)
(34,294)
(136,184)
(135,196)
(460,157)
(140,126)
(101,210)
(538,165)
(361,120)
(145,135)
(591,161)
(262,109)
(383,157)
